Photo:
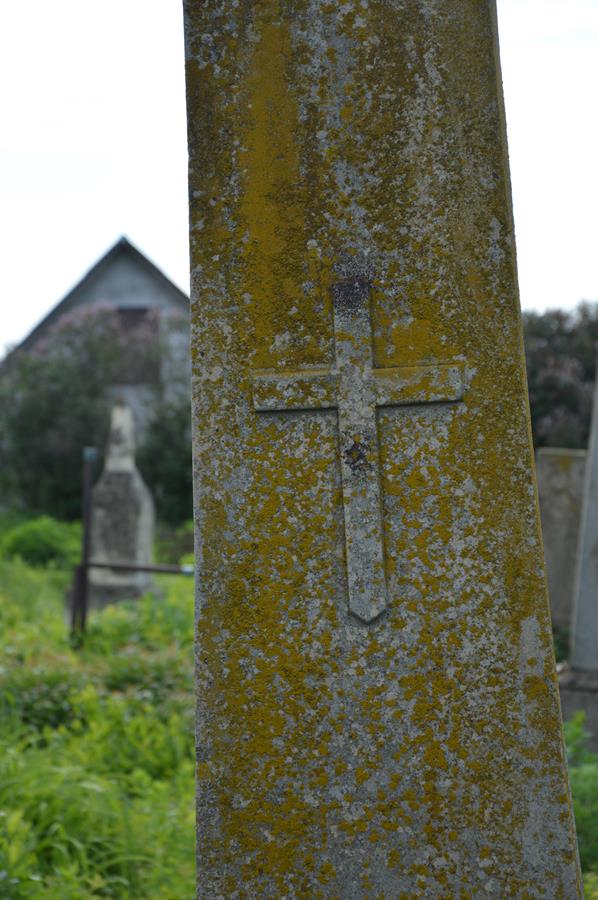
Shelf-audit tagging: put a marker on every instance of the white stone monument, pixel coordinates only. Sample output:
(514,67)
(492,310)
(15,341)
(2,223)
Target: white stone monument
(122,529)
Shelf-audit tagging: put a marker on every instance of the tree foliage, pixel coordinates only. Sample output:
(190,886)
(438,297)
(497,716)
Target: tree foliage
(560,350)
(56,399)
(164,458)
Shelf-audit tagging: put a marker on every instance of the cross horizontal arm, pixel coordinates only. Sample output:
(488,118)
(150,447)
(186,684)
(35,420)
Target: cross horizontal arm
(406,385)
(307,389)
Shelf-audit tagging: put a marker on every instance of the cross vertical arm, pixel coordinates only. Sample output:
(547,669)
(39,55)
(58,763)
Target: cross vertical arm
(360,458)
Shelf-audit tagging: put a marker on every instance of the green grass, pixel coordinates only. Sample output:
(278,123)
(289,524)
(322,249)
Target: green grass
(583,774)
(96,745)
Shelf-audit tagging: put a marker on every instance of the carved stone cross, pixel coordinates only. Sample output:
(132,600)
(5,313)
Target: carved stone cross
(355,389)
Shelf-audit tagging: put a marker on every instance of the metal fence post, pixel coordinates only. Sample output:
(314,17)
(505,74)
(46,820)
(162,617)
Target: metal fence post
(81,584)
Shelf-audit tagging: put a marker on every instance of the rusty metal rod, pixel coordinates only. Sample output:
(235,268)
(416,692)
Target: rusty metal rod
(81,585)
(131,567)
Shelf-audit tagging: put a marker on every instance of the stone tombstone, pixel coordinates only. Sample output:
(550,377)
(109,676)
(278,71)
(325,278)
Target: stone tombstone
(584,626)
(378,711)
(579,683)
(560,474)
(122,529)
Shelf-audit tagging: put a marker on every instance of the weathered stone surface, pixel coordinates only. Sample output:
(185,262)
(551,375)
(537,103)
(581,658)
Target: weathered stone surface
(560,475)
(122,529)
(584,626)
(378,708)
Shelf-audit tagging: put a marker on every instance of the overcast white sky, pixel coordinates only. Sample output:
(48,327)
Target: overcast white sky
(93,145)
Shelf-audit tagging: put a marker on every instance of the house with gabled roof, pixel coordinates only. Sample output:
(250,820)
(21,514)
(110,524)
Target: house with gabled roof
(126,281)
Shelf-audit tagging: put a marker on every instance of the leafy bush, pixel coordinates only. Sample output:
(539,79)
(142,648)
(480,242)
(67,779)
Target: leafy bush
(96,747)
(174,544)
(147,678)
(39,698)
(146,623)
(590,883)
(44,541)
(32,615)
(576,739)
(584,786)
(115,735)
(583,774)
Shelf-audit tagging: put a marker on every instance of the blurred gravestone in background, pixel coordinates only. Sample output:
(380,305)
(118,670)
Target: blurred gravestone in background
(579,684)
(122,528)
(560,474)
(560,350)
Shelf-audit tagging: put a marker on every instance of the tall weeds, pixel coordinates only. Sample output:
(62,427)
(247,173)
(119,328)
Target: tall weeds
(96,746)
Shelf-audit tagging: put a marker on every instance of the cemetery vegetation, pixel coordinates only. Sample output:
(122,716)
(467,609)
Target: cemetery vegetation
(560,350)
(96,743)
(164,458)
(56,398)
